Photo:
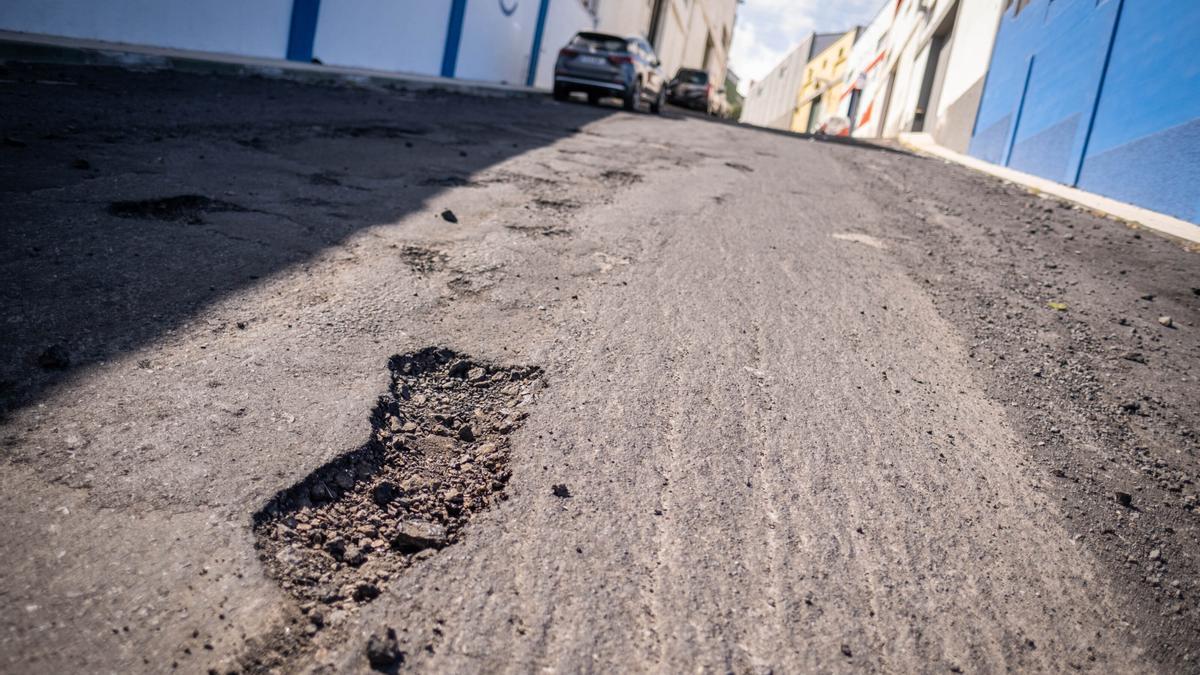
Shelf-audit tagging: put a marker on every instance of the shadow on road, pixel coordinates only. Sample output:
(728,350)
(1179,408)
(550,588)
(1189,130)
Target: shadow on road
(133,200)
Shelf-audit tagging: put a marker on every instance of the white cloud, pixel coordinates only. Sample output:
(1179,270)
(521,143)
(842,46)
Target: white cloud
(768,29)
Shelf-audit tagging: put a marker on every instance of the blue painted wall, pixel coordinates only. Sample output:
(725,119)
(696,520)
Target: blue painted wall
(1111,99)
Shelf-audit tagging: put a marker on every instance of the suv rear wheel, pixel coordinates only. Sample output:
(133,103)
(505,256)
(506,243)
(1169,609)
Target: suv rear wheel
(633,98)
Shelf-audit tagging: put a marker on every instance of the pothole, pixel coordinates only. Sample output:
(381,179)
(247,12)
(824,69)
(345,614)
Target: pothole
(449,181)
(424,260)
(619,178)
(473,283)
(524,181)
(324,178)
(556,205)
(374,131)
(180,208)
(438,454)
(540,230)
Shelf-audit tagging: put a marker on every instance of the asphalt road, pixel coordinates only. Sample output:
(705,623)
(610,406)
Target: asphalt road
(802,405)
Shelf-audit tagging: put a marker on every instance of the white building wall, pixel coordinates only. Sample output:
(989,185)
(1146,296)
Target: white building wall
(909,68)
(906,38)
(903,46)
(383,34)
(697,32)
(711,20)
(496,47)
(563,20)
(771,101)
(893,50)
(256,28)
(866,69)
(971,48)
(672,38)
(970,55)
(624,17)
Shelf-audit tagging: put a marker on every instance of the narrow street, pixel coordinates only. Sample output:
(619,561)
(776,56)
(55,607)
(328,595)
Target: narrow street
(702,397)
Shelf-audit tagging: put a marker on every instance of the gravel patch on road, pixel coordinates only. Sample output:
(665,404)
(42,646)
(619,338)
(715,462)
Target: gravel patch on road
(1062,309)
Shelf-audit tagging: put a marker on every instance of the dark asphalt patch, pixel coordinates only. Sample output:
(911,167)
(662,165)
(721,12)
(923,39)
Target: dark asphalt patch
(54,357)
(375,131)
(449,181)
(179,208)
(423,260)
(619,178)
(556,205)
(540,230)
(324,178)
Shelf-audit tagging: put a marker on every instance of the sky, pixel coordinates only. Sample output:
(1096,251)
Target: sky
(767,30)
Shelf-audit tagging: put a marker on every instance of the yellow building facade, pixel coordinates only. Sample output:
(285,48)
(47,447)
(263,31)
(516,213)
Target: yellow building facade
(823,87)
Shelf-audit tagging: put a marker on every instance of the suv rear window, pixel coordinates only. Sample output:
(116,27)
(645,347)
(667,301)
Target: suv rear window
(692,77)
(600,42)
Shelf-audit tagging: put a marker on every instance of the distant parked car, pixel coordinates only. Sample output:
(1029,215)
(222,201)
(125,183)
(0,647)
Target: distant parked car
(834,126)
(691,89)
(602,65)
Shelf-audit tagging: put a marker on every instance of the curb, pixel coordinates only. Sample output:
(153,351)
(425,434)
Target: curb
(30,48)
(1129,213)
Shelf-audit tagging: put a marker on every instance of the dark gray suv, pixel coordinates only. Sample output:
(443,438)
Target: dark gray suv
(690,89)
(602,65)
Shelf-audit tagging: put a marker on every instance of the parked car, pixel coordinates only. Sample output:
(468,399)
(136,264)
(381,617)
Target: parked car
(691,88)
(602,65)
(834,126)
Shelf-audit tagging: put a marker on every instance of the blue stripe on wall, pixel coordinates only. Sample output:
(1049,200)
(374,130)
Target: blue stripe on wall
(1016,125)
(1087,137)
(458,12)
(537,42)
(303,30)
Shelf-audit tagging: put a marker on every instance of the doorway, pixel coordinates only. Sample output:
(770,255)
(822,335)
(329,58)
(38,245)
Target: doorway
(925,115)
(855,98)
(814,113)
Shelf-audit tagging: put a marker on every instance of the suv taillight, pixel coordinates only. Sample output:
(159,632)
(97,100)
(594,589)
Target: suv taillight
(618,59)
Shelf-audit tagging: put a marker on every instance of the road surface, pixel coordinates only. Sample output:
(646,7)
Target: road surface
(671,395)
